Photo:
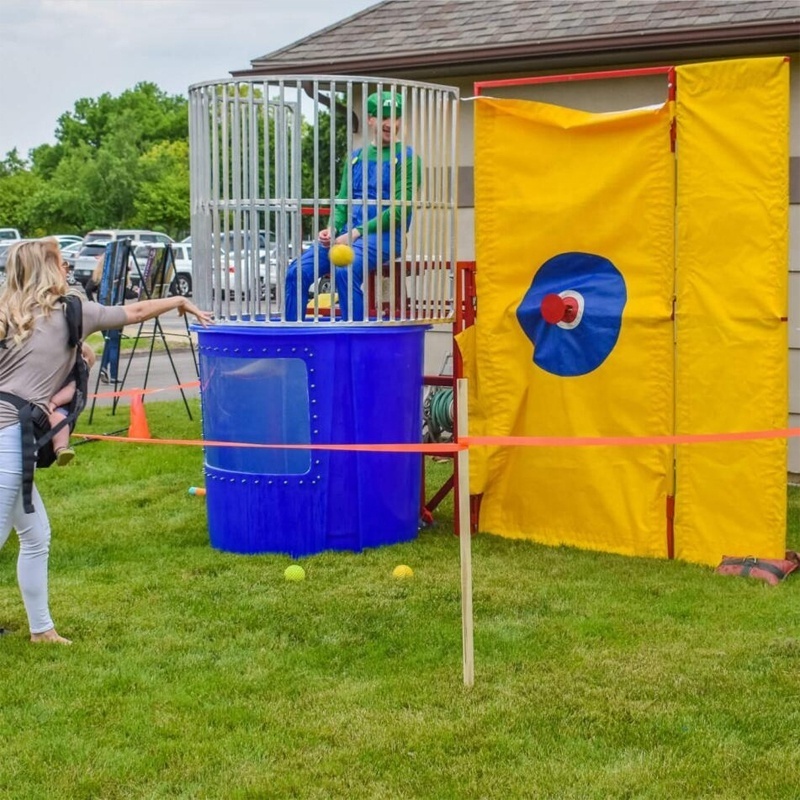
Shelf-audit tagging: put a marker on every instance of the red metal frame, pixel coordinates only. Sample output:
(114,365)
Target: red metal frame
(580,76)
(465,311)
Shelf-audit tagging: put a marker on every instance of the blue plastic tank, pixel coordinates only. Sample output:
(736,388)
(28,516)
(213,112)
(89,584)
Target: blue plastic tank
(300,385)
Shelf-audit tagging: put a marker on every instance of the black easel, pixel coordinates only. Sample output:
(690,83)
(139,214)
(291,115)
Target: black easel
(154,282)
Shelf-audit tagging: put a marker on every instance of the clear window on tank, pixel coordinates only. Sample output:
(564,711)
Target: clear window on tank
(261,401)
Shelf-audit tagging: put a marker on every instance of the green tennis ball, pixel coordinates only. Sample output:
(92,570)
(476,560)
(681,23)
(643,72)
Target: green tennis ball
(294,572)
(342,255)
(402,571)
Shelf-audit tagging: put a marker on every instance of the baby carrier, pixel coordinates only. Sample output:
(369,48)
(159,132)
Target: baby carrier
(37,434)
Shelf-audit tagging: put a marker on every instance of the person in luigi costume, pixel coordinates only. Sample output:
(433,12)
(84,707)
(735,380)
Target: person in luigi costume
(384,170)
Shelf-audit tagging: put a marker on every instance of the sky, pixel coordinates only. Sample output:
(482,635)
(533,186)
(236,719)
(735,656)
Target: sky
(54,52)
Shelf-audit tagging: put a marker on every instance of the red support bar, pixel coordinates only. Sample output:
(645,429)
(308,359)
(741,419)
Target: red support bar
(577,76)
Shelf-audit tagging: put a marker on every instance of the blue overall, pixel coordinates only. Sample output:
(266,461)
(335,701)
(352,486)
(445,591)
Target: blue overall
(369,249)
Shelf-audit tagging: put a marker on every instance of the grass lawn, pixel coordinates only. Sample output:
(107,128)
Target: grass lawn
(201,674)
(142,343)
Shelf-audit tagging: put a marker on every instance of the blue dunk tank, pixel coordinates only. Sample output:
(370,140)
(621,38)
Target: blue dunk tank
(323,234)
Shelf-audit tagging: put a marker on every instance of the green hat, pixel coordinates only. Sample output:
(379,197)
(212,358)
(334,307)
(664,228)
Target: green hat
(387,101)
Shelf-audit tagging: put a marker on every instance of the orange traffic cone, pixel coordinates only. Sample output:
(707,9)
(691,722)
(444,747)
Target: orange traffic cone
(138,428)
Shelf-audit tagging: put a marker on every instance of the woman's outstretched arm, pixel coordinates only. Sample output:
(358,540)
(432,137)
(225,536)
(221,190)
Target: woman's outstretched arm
(147,309)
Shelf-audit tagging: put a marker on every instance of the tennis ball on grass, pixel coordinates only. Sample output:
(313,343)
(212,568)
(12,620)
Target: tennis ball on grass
(341,255)
(294,572)
(402,571)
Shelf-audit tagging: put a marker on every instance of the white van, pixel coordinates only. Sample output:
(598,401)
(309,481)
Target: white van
(137,236)
(9,233)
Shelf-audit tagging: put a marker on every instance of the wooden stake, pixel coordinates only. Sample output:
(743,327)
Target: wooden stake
(465,536)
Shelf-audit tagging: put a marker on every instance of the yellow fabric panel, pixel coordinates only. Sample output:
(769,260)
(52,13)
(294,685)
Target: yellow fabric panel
(551,180)
(732,274)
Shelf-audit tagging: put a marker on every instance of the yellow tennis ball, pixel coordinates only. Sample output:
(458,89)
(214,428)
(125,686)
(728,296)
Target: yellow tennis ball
(294,572)
(341,255)
(403,571)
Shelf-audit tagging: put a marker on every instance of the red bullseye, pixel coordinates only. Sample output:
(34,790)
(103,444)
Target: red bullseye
(557,309)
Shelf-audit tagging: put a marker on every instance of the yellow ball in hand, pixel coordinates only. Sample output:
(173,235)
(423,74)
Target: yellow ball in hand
(342,255)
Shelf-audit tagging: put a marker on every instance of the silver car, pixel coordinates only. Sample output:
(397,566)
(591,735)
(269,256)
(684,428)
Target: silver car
(5,246)
(87,261)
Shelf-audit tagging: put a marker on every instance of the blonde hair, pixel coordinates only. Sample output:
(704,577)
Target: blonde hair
(34,284)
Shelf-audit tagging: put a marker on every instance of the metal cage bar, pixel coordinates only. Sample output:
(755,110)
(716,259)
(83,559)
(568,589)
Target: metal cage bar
(268,157)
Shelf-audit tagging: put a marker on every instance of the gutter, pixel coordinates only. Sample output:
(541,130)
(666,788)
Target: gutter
(786,32)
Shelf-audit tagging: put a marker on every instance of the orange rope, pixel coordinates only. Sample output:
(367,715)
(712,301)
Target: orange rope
(464,443)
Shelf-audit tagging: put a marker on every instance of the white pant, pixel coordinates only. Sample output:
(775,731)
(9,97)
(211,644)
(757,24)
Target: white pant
(33,531)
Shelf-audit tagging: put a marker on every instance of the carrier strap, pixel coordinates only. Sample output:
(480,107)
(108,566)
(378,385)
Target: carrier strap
(26,412)
(30,413)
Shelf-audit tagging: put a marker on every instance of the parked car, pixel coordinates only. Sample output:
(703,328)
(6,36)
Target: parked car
(69,254)
(268,270)
(232,263)
(135,235)
(5,246)
(9,233)
(66,239)
(86,260)
(182,253)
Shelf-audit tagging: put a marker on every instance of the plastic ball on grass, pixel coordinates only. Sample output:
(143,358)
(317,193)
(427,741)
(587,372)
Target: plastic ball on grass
(341,255)
(402,572)
(294,572)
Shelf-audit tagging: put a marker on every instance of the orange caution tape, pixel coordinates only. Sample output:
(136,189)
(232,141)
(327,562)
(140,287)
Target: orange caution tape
(464,443)
(474,441)
(432,449)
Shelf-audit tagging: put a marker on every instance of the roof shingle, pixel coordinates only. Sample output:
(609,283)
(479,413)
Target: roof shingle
(415,31)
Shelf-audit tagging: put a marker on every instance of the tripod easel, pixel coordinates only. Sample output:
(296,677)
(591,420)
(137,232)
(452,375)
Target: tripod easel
(154,282)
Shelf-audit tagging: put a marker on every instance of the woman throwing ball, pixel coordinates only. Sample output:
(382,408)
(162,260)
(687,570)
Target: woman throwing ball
(35,359)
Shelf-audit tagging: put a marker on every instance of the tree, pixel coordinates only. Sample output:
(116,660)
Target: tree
(163,196)
(12,163)
(16,209)
(93,176)
(123,162)
(158,117)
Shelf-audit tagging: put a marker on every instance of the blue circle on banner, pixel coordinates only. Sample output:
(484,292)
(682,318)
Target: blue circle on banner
(596,291)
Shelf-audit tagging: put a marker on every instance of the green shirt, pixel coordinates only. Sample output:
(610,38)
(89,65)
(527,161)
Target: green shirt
(406,178)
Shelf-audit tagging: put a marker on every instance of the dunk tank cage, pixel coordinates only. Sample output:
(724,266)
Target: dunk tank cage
(295,357)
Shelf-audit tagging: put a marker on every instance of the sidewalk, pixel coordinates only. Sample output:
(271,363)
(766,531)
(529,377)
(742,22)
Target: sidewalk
(140,371)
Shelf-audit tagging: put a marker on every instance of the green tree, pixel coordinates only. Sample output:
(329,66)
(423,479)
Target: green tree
(16,208)
(164,190)
(123,162)
(94,174)
(158,117)
(316,154)
(12,163)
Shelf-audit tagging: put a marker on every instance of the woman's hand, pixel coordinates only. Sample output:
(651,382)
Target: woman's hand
(205,318)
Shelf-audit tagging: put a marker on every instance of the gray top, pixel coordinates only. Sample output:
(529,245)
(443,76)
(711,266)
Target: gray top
(38,368)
